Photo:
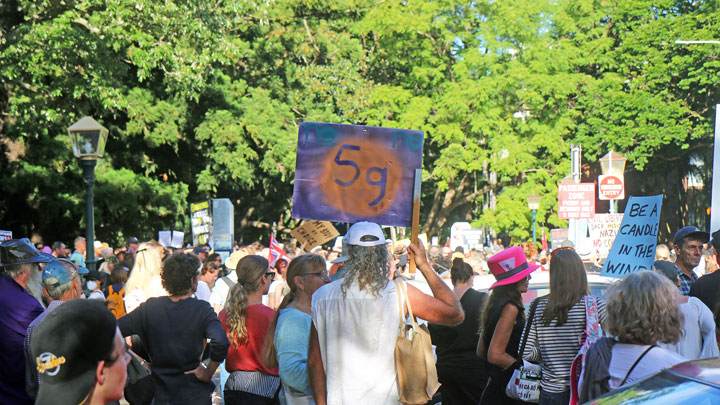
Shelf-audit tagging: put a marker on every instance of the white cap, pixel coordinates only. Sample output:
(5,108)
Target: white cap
(365,234)
(97,244)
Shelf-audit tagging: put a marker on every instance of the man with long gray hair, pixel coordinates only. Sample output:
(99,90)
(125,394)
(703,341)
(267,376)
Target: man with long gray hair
(20,297)
(356,321)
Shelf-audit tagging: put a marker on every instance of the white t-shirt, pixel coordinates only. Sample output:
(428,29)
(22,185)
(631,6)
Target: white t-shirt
(624,355)
(357,335)
(203,291)
(698,339)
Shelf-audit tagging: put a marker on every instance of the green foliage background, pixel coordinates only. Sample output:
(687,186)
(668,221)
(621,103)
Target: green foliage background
(203,100)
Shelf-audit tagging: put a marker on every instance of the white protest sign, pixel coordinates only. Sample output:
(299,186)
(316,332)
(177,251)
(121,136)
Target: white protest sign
(603,228)
(5,235)
(634,246)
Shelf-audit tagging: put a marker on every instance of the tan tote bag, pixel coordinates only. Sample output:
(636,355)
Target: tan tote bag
(416,374)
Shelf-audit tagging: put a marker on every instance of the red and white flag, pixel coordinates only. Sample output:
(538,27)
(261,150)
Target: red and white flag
(276,251)
(544,240)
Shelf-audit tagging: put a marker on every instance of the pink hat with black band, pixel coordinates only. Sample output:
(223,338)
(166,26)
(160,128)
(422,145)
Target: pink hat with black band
(510,266)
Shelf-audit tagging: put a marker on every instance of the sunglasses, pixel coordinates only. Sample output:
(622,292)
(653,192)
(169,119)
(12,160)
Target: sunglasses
(270,275)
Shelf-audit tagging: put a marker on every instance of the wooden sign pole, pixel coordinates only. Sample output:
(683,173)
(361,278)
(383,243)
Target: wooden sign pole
(415,218)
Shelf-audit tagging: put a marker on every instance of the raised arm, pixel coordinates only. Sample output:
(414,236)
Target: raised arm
(443,306)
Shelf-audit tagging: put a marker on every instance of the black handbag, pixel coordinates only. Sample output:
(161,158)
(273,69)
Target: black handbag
(139,386)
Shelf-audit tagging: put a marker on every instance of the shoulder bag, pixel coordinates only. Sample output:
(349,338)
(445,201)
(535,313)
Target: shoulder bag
(524,384)
(414,361)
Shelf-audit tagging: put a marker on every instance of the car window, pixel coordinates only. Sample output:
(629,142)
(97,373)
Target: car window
(663,388)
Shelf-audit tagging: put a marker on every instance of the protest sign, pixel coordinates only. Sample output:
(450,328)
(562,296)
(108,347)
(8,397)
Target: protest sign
(456,234)
(165,238)
(201,222)
(602,229)
(576,200)
(634,246)
(177,239)
(314,233)
(352,173)
(5,235)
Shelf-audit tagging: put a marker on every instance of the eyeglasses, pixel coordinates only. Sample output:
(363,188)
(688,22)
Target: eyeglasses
(559,249)
(270,275)
(321,274)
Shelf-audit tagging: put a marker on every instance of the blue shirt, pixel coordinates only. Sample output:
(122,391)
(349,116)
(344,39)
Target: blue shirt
(291,345)
(686,281)
(17,310)
(78,258)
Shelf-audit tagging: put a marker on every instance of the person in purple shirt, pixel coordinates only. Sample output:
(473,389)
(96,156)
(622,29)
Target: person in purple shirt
(20,277)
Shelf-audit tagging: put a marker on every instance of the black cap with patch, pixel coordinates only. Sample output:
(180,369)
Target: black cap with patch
(67,347)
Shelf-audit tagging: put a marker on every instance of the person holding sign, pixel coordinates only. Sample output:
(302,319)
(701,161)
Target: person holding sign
(689,243)
(355,322)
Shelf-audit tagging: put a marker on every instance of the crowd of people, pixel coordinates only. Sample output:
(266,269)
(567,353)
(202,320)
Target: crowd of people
(321,327)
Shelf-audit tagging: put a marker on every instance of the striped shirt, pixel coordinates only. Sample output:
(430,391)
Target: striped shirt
(555,346)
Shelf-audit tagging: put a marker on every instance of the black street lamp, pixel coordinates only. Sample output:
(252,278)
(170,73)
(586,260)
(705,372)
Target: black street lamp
(88,141)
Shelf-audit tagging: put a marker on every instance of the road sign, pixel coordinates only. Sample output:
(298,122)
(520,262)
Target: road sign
(611,187)
(576,200)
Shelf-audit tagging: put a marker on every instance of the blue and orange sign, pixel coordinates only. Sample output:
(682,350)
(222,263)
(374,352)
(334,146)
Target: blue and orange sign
(351,173)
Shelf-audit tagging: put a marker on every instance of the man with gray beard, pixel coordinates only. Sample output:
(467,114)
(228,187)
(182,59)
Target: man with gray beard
(355,322)
(20,297)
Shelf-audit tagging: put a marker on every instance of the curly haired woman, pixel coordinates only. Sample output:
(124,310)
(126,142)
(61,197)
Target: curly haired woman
(175,329)
(642,310)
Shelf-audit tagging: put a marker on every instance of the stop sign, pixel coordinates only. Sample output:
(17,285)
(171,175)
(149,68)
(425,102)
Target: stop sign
(611,187)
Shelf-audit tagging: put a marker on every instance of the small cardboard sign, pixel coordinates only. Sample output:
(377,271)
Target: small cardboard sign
(634,246)
(314,233)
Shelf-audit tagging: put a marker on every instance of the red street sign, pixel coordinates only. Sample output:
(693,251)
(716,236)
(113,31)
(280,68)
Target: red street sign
(611,187)
(576,200)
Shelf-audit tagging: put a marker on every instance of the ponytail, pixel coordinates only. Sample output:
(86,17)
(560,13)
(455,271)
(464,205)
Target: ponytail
(250,270)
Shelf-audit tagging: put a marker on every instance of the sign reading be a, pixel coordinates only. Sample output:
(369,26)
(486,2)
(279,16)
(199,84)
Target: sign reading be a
(352,173)
(634,246)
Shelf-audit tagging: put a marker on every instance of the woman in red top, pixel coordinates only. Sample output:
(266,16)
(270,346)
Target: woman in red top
(246,321)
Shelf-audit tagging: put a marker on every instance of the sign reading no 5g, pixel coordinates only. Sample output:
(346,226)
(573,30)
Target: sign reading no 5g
(351,173)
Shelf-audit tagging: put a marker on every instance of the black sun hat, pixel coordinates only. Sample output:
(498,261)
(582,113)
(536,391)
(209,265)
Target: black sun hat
(67,347)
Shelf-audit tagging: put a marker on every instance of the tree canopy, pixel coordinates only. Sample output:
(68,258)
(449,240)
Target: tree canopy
(203,100)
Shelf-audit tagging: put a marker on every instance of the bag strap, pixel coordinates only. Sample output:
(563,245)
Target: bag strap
(635,364)
(227,281)
(529,322)
(403,297)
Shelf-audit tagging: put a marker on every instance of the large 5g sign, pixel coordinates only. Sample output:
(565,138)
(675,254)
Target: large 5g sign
(349,173)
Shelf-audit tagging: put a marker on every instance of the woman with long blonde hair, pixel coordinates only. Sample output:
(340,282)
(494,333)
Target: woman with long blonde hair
(286,343)
(145,280)
(246,321)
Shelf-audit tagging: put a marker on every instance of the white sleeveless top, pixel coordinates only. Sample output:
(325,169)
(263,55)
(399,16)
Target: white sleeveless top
(357,335)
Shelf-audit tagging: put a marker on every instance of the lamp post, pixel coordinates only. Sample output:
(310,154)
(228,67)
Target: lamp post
(613,164)
(534,205)
(88,141)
